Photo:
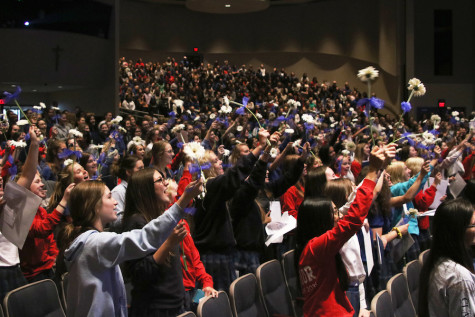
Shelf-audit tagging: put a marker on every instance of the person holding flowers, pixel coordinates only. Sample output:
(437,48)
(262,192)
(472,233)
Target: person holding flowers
(213,232)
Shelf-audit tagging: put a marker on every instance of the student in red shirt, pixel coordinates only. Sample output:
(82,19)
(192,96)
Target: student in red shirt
(321,234)
(38,255)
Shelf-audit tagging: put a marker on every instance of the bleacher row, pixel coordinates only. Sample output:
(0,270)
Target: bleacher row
(272,292)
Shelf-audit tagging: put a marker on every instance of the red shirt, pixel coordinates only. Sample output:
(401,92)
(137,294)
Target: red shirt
(291,200)
(317,267)
(39,251)
(195,269)
(469,169)
(422,202)
(355,168)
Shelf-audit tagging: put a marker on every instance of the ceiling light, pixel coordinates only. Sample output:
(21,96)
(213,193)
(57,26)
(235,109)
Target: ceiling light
(26,23)
(227,5)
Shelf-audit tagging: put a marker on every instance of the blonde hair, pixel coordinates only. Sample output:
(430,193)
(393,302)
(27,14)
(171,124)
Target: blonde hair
(414,164)
(397,172)
(210,172)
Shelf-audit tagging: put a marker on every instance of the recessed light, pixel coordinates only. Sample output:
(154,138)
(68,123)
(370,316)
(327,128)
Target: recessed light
(60,87)
(26,23)
(34,90)
(227,5)
(13,86)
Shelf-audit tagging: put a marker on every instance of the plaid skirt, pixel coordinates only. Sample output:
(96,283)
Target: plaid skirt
(221,268)
(246,261)
(11,277)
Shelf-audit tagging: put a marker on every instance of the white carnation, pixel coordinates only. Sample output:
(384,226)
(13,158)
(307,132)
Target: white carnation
(226,101)
(37,107)
(289,131)
(212,116)
(367,74)
(75,133)
(307,118)
(435,119)
(55,108)
(194,150)
(22,122)
(239,128)
(417,87)
(116,120)
(274,152)
(68,162)
(226,109)
(42,105)
(455,113)
(178,128)
(226,152)
(20,143)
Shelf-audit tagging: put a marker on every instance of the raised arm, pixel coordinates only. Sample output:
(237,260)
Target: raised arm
(29,169)
(331,241)
(413,190)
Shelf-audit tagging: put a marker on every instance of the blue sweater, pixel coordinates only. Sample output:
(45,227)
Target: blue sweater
(400,189)
(96,287)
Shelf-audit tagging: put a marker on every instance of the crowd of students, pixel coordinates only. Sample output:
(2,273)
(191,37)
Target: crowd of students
(178,199)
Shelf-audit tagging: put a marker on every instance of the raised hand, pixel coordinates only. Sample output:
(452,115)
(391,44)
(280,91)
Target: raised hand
(263,135)
(425,168)
(376,159)
(179,233)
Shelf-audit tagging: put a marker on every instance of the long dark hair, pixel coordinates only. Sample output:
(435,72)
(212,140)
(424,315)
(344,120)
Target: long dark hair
(449,226)
(315,182)
(140,196)
(316,217)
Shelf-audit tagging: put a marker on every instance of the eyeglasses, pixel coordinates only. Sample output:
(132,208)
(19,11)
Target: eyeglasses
(337,213)
(471,226)
(160,180)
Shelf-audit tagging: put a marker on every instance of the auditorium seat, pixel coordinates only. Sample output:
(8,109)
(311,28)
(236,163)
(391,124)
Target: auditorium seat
(37,299)
(246,300)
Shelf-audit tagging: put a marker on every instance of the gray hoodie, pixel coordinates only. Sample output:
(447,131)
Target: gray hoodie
(96,287)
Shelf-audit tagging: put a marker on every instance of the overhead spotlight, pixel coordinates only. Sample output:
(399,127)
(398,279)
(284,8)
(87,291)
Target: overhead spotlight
(227,6)
(60,87)
(26,23)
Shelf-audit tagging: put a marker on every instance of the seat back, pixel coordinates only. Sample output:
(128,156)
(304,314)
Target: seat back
(423,256)
(187,314)
(64,288)
(291,280)
(37,299)
(245,298)
(412,272)
(215,307)
(381,305)
(400,298)
(273,289)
